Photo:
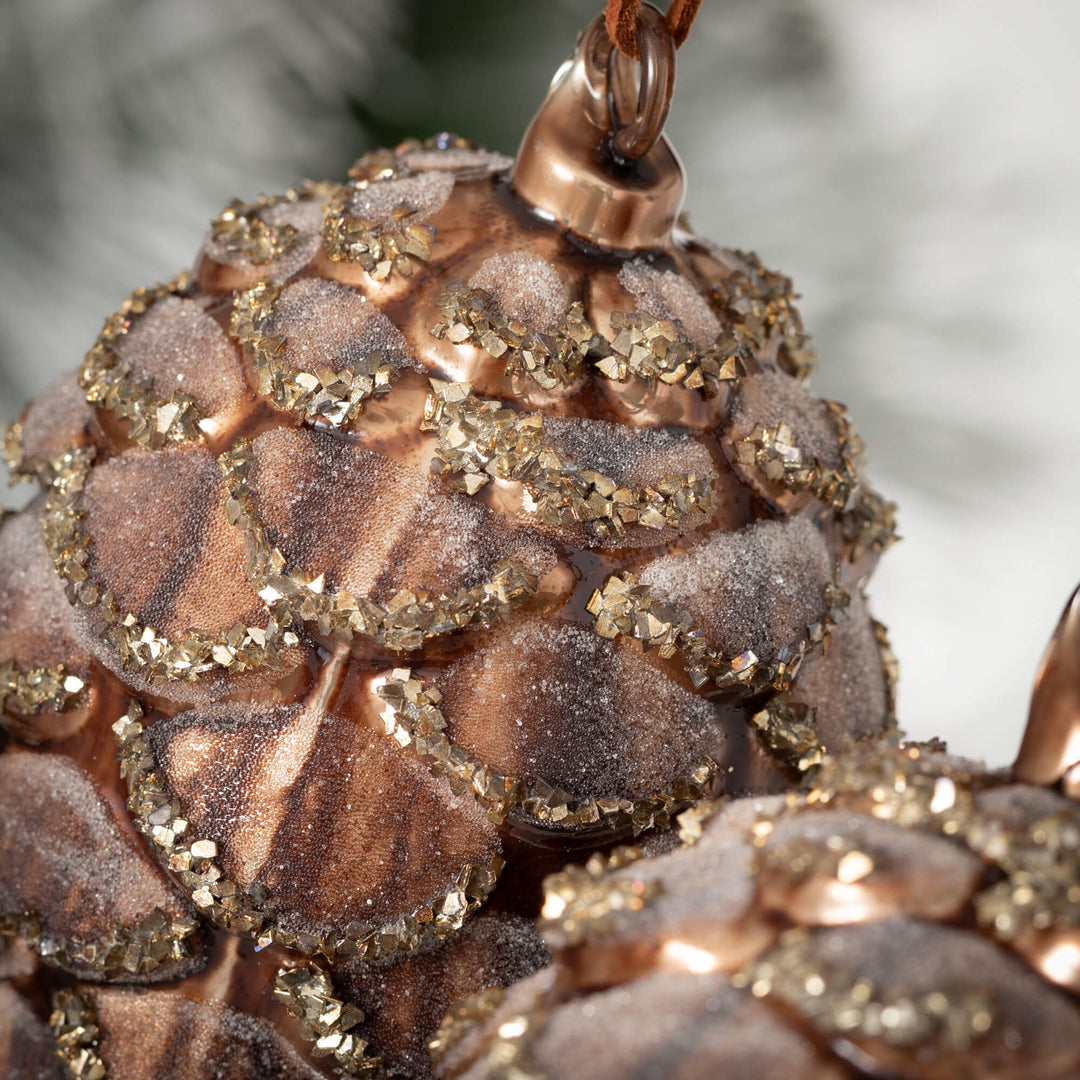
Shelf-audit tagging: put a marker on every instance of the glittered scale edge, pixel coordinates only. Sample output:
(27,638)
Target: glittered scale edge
(241,230)
(868,520)
(380,252)
(141,647)
(623,607)
(413,719)
(653,350)
(326,1022)
(122,951)
(193,862)
(837,1001)
(900,783)
(552,358)
(761,302)
(107,382)
(478,440)
(78,1040)
(32,691)
(411,618)
(336,396)
(581,902)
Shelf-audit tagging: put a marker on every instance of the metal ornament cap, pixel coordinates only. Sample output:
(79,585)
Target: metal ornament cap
(594,159)
(1050,749)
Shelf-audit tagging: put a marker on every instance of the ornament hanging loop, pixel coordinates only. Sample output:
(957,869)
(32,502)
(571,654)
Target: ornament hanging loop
(633,138)
(595,160)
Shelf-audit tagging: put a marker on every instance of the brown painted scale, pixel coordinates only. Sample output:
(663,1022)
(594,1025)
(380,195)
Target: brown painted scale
(443,526)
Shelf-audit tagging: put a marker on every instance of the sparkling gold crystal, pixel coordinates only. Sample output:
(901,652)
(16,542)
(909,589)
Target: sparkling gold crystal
(28,692)
(625,607)
(106,378)
(77,1036)
(478,440)
(551,358)
(580,900)
(412,717)
(240,228)
(762,301)
(307,992)
(122,951)
(836,1001)
(337,396)
(359,240)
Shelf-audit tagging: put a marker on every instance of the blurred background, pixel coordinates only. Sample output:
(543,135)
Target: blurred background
(913,164)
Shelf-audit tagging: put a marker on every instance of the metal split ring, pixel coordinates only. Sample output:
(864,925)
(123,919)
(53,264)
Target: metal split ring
(637,124)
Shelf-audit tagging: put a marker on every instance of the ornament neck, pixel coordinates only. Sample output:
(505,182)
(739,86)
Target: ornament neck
(594,159)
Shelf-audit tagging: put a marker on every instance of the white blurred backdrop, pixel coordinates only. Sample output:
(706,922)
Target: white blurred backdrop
(913,164)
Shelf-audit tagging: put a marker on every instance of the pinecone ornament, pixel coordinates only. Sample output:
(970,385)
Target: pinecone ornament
(441,525)
(910,915)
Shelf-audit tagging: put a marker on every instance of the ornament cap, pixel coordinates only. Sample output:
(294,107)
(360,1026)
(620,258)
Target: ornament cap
(594,159)
(1050,750)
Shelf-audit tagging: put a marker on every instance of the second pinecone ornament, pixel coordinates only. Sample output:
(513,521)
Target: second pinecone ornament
(441,524)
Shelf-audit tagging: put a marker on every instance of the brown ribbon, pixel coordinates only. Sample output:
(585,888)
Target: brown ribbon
(622,16)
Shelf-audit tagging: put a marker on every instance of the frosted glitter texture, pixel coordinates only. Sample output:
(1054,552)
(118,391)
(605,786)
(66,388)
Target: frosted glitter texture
(663,294)
(412,200)
(524,287)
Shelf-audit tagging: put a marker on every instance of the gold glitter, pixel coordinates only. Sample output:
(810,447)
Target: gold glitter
(30,692)
(466,1015)
(376,166)
(334,396)
(412,717)
(106,378)
(382,164)
(582,901)
(624,607)
(193,861)
(141,648)
(411,618)
(13,453)
(480,440)
(655,350)
(643,347)
(890,666)
(1041,890)
(868,521)
(774,452)
(122,951)
(870,524)
(761,303)
(692,820)
(327,1022)
(803,858)
(838,1002)
(898,782)
(550,358)
(788,731)
(240,228)
(352,239)
(74,1027)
